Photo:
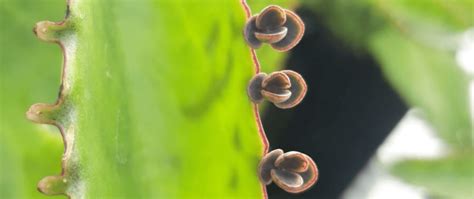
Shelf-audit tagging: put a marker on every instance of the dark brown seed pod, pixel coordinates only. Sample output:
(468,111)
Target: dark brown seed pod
(281,28)
(293,171)
(285,89)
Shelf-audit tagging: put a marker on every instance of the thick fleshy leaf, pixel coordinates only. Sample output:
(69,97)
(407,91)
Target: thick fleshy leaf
(143,121)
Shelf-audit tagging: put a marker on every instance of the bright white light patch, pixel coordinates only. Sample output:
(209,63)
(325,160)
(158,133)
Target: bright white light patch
(412,138)
(465,53)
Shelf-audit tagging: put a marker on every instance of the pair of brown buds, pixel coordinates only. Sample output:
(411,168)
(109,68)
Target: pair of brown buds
(292,171)
(284,88)
(281,28)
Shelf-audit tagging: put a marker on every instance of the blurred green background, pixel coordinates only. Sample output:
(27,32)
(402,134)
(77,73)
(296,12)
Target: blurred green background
(30,73)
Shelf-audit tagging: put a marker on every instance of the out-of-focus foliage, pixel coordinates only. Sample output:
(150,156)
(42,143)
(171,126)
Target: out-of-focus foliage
(29,72)
(428,78)
(415,43)
(158,93)
(449,177)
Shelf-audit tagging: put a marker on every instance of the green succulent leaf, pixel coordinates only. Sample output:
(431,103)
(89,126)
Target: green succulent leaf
(153,100)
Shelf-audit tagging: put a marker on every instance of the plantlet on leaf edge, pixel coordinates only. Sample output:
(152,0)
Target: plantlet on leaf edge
(285,89)
(59,114)
(292,171)
(281,28)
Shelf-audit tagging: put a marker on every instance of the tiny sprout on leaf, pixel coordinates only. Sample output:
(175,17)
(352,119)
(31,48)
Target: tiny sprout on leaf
(49,31)
(281,28)
(42,113)
(293,171)
(285,89)
(53,185)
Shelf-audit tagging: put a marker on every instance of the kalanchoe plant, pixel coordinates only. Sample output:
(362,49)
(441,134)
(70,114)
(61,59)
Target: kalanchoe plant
(121,102)
(281,28)
(58,114)
(292,171)
(285,89)
(113,109)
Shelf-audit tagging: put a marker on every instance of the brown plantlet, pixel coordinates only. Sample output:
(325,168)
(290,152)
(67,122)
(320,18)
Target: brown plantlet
(281,28)
(292,171)
(285,89)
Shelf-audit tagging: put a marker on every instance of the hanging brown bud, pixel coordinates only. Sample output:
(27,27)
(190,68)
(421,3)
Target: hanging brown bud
(285,89)
(292,171)
(281,28)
